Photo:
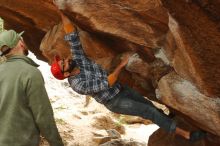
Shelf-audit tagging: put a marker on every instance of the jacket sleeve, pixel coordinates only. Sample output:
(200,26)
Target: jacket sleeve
(40,106)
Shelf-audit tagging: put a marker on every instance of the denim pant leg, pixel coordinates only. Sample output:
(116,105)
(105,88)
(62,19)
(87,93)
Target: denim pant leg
(138,97)
(123,105)
(134,95)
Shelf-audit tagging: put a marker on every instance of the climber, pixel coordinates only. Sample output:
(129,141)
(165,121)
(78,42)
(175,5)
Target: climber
(87,78)
(25,109)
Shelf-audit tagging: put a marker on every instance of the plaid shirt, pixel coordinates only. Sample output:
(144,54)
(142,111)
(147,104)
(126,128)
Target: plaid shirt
(92,79)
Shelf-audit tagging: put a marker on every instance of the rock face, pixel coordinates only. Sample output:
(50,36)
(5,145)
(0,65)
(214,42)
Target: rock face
(33,17)
(190,102)
(187,32)
(161,138)
(197,43)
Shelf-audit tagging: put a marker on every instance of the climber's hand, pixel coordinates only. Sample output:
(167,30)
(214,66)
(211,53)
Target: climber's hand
(58,10)
(125,57)
(54,3)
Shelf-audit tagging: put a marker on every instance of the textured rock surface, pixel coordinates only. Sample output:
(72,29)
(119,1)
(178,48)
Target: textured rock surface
(161,138)
(143,22)
(33,17)
(197,38)
(123,142)
(102,121)
(188,31)
(190,102)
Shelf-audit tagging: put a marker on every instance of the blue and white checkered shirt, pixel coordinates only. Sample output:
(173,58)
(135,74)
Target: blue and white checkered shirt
(92,79)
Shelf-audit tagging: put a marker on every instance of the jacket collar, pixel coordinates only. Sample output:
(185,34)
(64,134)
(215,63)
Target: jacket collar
(24,58)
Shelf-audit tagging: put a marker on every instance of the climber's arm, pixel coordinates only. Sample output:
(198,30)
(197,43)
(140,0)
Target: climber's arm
(112,78)
(67,24)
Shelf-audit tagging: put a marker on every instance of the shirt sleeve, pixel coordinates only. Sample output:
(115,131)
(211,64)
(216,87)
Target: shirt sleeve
(40,106)
(75,45)
(89,86)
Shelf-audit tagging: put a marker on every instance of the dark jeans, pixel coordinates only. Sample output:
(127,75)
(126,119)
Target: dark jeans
(129,102)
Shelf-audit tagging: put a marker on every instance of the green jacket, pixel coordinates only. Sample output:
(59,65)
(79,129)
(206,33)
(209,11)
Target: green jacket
(25,109)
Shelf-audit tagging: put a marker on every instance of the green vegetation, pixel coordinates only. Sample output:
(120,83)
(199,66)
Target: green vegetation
(121,121)
(60,121)
(1,24)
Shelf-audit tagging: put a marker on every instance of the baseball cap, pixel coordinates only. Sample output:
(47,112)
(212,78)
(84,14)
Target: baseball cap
(9,38)
(56,70)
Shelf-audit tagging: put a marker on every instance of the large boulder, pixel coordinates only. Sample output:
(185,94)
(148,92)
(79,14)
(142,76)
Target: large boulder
(33,17)
(194,26)
(183,96)
(162,138)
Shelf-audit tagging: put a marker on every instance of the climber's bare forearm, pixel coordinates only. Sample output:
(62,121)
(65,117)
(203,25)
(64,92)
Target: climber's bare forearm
(113,77)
